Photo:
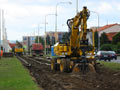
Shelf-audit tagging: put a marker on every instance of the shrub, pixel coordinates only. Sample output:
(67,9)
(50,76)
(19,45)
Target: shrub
(104,39)
(106,47)
(116,38)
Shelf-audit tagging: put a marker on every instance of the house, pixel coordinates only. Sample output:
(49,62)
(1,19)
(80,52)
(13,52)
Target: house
(11,45)
(110,30)
(111,35)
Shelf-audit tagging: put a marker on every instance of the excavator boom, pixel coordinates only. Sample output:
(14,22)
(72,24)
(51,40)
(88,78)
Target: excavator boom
(77,50)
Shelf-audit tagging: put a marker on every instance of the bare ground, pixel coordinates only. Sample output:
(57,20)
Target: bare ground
(104,79)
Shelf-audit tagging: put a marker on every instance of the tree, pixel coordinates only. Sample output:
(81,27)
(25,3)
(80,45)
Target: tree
(53,41)
(104,39)
(118,47)
(96,38)
(65,37)
(41,40)
(106,47)
(48,40)
(116,38)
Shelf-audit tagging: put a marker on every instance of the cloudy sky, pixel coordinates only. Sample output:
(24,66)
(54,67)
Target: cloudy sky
(23,16)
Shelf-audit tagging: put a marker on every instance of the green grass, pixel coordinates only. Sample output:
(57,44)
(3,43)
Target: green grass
(111,65)
(13,76)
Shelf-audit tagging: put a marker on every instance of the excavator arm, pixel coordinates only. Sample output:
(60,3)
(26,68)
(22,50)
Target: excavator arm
(78,29)
(78,48)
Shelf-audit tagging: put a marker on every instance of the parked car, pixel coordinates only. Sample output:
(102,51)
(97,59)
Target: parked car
(103,55)
(112,55)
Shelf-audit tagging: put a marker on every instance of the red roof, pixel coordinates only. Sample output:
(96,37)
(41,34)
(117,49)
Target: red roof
(12,45)
(111,35)
(106,26)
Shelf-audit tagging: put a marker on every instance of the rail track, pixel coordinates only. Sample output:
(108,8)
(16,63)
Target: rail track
(39,68)
(40,60)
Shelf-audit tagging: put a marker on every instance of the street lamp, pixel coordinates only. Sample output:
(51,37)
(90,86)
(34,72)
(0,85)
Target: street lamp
(45,29)
(97,29)
(56,15)
(76,6)
(0,30)
(38,32)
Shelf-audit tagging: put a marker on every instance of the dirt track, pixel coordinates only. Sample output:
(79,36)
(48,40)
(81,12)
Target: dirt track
(104,79)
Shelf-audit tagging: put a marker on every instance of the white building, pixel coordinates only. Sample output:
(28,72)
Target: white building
(111,28)
(28,41)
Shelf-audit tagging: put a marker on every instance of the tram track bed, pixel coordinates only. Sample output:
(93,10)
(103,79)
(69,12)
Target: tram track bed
(39,68)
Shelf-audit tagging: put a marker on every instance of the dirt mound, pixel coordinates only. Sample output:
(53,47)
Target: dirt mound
(104,79)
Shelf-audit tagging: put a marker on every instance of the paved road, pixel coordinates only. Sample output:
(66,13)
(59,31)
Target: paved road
(118,60)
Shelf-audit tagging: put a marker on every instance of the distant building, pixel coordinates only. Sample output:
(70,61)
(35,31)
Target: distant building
(58,36)
(94,28)
(111,30)
(111,35)
(11,45)
(28,41)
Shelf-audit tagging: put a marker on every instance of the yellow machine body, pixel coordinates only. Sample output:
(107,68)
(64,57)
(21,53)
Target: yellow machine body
(17,50)
(78,53)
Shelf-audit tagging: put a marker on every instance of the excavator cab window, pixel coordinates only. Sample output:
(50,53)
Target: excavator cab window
(90,38)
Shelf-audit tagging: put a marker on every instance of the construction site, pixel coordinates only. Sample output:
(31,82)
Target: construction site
(86,56)
(103,79)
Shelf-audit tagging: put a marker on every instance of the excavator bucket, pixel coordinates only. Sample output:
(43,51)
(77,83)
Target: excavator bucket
(91,68)
(84,68)
(76,68)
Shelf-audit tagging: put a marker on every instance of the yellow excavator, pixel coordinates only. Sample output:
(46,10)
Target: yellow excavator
(78,53)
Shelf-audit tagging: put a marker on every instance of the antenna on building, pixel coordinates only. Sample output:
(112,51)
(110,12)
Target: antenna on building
(107,21)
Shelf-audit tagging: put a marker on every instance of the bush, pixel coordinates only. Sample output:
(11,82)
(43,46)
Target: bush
(96,39)
(111,47)
(118,45)
(104,39)
(106,47)
(114,48)
(118,48)
(116,38)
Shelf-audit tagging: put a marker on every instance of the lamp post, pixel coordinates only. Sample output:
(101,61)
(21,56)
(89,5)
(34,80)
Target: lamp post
(56,15)
(76,6)
(0,30)
(38,32)
(45,30)
(97,28)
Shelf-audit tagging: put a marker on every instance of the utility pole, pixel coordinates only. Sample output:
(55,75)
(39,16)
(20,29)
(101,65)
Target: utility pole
(3,42)
(0,30)
(45,31)
(56,14)
(76,6)
(38,33)
(98,16)
(34,33)
(4,33)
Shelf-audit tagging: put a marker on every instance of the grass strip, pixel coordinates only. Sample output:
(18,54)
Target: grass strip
(111,65)
(13,76)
